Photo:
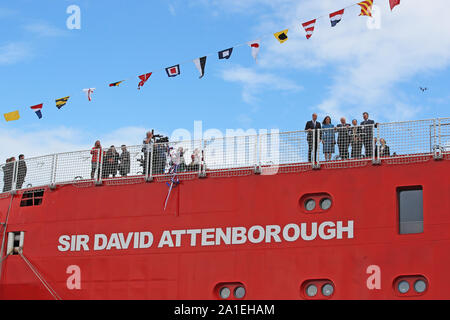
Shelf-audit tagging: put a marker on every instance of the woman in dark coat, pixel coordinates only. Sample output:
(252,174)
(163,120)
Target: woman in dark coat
(111,163)
(384,149)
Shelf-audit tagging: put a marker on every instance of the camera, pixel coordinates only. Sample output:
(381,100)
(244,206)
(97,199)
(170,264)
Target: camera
(160,138)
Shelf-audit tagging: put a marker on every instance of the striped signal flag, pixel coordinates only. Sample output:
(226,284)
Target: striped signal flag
(366,8)
(336,17)
(37,109)
(61,102)
(309,28)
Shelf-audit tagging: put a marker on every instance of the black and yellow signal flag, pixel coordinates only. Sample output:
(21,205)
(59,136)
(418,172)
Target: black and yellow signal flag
(281,36)
(61,102)
(116,84)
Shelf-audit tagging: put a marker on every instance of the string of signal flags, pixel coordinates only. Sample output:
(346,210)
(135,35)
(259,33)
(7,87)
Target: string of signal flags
(200,63)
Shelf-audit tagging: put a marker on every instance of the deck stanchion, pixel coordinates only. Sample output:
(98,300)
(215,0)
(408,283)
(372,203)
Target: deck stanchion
(53,173)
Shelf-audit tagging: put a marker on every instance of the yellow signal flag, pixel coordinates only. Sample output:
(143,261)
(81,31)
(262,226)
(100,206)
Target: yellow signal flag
(366,8)
(12,116)
(281,36)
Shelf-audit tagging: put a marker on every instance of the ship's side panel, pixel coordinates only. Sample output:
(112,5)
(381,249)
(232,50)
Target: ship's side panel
(128,247)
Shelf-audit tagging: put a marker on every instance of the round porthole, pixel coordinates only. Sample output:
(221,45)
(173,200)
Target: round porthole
(327,290)
(239,292)
(403,286)
(310,204)
(225,293)
(420,286)
(311,290)
(325,203)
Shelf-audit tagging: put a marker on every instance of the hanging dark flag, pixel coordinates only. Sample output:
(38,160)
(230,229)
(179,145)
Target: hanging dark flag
(225,54)
(173,71)
(200,64)
(37,109)
(61,102)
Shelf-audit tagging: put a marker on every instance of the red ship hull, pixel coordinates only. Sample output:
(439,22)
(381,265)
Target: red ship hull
(363,261)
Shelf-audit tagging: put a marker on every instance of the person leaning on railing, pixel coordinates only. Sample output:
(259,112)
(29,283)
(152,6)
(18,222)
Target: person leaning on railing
(343,140)
(356,139)
(367,134)
(21,172)
(146,150)
(110,163)
(124,162)
(8,173)
(195,161)
(328,138)
(384,149)
(96,152)
(313,127)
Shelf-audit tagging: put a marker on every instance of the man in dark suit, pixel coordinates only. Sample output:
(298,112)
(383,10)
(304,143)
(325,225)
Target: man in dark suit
(21,172)
(343,138)
(367,134)
(313,127)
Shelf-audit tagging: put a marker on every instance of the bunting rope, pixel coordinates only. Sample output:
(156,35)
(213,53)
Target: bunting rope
(200,63)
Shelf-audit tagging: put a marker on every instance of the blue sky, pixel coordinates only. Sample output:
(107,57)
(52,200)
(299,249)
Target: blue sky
(340,71)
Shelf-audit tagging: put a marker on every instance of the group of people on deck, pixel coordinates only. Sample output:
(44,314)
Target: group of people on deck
(352,135)
(108,162)
(113,163)
(11,173)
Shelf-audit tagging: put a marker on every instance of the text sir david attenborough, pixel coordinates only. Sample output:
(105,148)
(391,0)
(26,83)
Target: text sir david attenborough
(209,237)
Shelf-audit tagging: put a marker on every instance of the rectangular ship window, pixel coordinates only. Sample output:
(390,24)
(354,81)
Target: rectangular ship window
(32,198)
(410,208)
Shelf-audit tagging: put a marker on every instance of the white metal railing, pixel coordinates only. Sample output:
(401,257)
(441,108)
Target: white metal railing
(271,153)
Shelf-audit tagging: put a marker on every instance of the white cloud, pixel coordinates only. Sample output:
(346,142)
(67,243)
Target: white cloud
(362,67)
(128,135)
(13,52)
(43,29)
(4,12)
(172,9)
(36,143)
(255,82)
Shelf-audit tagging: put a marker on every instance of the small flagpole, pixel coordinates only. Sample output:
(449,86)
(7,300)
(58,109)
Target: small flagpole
(171,185)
